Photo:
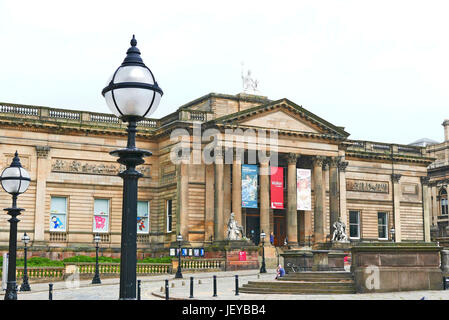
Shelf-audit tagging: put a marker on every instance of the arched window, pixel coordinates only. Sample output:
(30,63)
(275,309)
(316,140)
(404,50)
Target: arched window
(443,201)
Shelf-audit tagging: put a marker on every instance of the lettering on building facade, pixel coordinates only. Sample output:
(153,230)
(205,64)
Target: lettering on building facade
(367,186)
(93,167)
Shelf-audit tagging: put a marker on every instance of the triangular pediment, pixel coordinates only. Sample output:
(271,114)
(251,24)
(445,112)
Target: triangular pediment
(279,120)
(282,115)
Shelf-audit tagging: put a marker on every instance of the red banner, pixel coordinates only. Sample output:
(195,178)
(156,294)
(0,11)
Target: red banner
(277,188)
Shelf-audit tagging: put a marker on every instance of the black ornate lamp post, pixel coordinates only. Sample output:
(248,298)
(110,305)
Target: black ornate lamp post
(262,269)
(96,279)
(178,274)
(15,180)
(132,93)
(25,286)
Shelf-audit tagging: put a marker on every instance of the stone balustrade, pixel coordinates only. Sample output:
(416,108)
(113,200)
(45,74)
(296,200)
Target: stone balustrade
(45,114)
(203,264)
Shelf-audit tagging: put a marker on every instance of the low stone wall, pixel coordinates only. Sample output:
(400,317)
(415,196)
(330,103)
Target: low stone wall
(303,260)
(389,267)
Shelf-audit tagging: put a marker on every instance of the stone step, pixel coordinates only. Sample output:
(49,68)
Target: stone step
(284,279)
(318,285)
(319,275)
(296,291)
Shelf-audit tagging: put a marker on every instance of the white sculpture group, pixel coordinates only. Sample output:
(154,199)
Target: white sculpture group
(339,234)
(235,231)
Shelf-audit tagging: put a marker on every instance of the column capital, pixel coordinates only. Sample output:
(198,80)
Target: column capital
(334,161)
(395,177)
(342,165)
(292,158)
(42,151)
(318,161)
(425,180)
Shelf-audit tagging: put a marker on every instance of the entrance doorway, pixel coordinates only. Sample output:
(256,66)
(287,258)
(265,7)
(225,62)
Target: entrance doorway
(253,227)
(279,230)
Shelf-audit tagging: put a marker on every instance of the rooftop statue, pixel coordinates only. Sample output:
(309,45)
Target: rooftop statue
(249,83)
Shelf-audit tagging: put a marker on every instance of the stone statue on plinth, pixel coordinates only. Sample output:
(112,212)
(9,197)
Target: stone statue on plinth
(249,83)
(339,234)
(235,231)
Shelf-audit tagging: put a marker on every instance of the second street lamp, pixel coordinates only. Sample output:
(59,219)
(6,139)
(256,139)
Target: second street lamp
(25,286)
(15,180)
(178,274)
(96,279)
(262,269)
(131,93)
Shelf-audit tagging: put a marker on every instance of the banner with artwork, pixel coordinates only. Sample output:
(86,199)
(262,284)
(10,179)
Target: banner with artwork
(277,187)
(249,185)
(304,189)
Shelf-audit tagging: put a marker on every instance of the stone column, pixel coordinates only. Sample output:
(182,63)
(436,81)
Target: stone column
(318,218)
(334,205)
(342,180)
(426,207)
(435,205)
(210,202)
(227,194)
(219,199)
(237,189)
(264,197)
(42,171)
(184,200)
(397,206)
(292,216)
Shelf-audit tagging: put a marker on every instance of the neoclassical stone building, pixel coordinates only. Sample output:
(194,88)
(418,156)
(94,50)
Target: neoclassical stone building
(436,185)
(75,191)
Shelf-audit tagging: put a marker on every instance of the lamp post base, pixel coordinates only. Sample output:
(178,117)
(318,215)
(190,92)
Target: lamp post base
(25,286)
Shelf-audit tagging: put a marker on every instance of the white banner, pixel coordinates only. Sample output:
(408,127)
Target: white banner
(303,189)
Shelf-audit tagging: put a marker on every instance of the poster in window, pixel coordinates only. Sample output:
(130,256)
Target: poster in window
(249,186)
(172,252)
(277,187)
(190,252)
(202,252)
(196,252)
(304,189)
(101,223)
(57,222)
(184,252)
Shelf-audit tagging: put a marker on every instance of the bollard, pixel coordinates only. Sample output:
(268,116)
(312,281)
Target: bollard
(215,286)
(236,284)
(50,291)
(191,287)
(138,289)
(166,290)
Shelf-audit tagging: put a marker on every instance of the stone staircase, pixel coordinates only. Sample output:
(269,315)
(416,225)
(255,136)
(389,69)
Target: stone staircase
(318,282)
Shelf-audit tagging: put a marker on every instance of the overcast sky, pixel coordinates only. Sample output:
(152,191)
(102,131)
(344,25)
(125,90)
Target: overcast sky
(378,68)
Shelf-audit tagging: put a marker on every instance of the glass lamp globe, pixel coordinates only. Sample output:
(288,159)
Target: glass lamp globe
(25,238)
(15,179)
(263,235)
(179,237)
(132,91)
(97,238)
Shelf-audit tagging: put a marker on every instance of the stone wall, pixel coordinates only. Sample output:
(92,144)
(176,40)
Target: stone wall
(390,267)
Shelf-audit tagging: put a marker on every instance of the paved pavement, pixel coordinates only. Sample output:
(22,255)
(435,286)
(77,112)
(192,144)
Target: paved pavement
(152,289)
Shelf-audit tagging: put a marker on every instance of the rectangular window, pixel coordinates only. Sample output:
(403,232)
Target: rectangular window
(58,213)
(143,216)
(354,224)
(101,215)
(382,225)
(168,205)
